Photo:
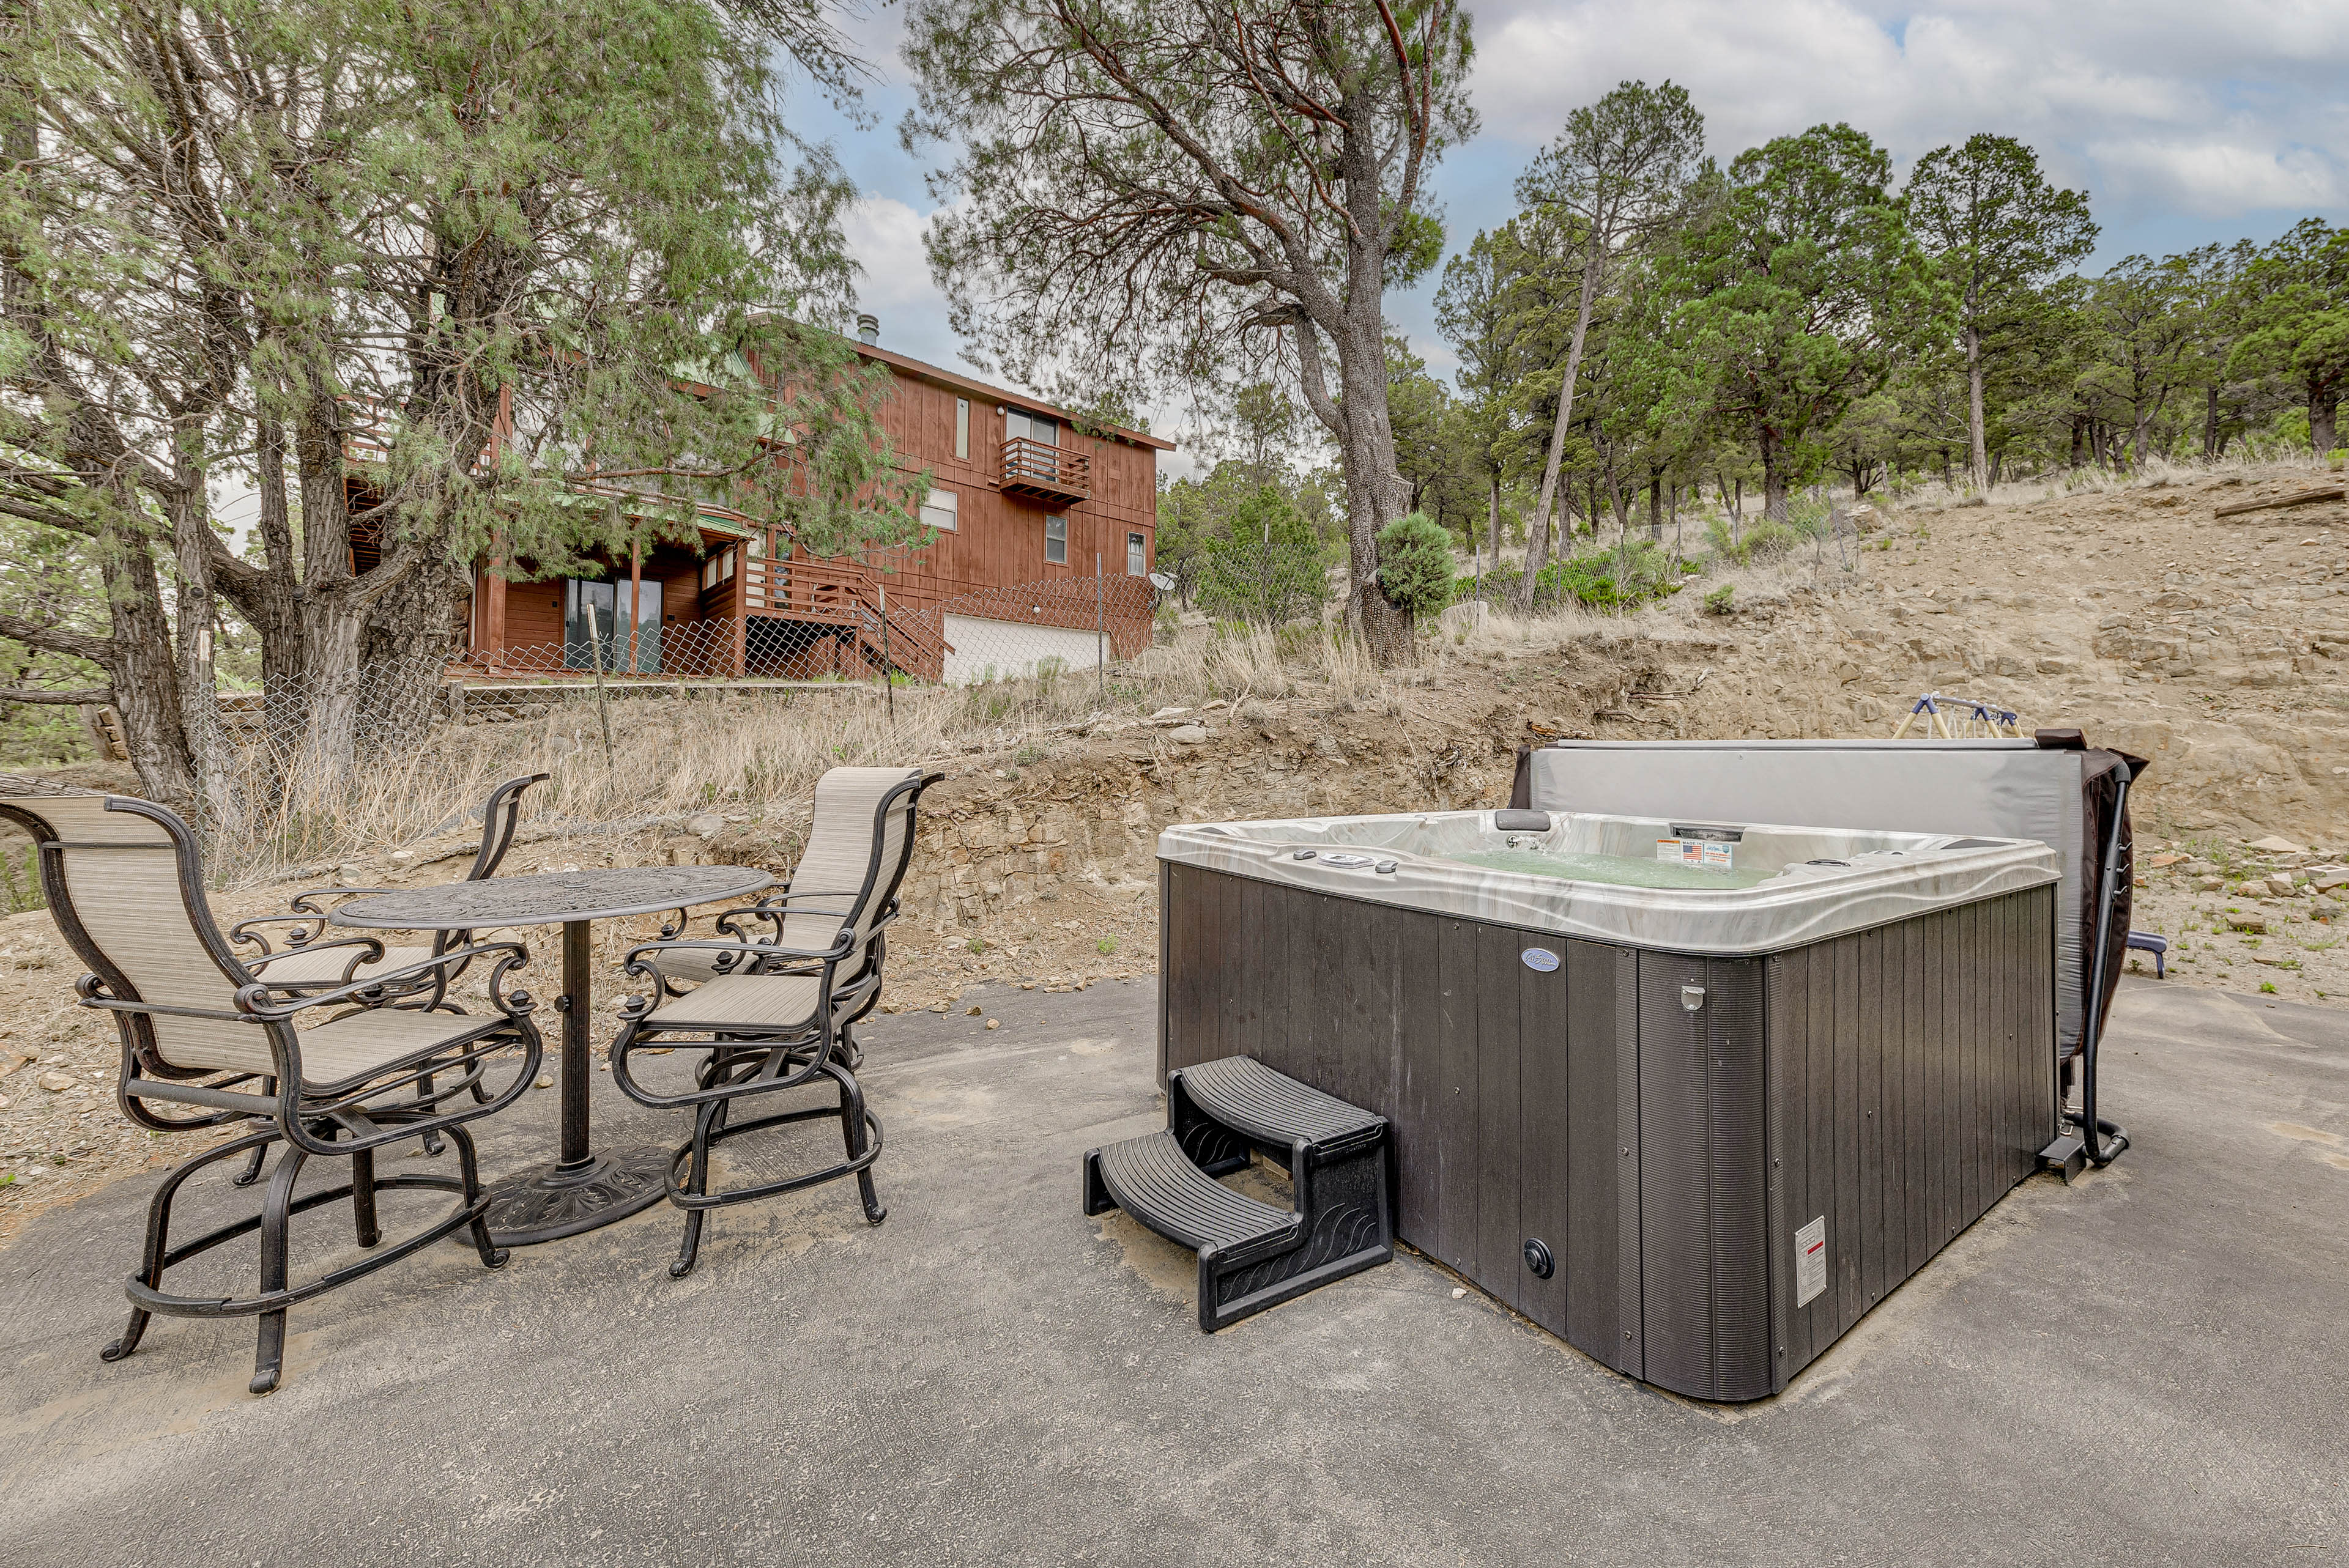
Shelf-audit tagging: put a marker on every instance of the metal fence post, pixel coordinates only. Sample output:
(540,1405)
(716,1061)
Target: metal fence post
(1101,637)
(888,682)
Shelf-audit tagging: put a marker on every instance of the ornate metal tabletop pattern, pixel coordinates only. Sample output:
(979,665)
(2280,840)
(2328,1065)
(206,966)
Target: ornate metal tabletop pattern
(550,897)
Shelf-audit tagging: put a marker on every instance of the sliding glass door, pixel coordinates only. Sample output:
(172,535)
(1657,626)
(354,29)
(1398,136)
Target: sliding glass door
(596,618)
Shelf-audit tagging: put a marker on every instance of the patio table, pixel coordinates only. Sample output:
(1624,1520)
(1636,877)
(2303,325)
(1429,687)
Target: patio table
(580,1189)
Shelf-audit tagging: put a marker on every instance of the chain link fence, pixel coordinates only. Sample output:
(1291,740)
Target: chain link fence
(740,716)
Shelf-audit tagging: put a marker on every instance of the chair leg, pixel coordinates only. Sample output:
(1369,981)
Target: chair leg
(432,1145)
(492,1255)
(269,1354)
(852,1130)
(159,1243)
(363,1214)
(711,1116)
(252,1172)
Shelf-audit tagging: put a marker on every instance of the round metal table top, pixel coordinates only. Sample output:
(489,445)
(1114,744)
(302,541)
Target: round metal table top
(550,898)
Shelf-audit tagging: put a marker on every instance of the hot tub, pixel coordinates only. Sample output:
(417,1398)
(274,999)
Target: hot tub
(1692,1095)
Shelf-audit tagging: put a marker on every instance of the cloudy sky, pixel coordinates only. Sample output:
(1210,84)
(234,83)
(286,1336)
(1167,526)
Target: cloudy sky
(2187,120)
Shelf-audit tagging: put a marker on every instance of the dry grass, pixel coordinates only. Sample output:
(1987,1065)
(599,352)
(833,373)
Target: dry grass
(2264,457)
(755,753)
(759,753)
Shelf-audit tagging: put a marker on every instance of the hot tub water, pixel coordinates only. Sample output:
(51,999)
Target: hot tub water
(1618,870)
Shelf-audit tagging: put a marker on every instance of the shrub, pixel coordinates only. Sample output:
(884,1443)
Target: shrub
(1415,564)
(1717,601)
(1105,946)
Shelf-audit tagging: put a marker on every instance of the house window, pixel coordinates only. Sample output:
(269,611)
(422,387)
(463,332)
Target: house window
(940,511)
(1055,539)
(1029,440)
(1137,554)
(962,432)
(718,568)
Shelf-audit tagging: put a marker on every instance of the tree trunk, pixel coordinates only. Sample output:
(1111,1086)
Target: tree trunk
(2322,410)
(1774,477)
(273,600)
(1375,492)
(1974,423)
(1594,264)
(333,618)
(2210,425)
(410,632)
(1655,506)
(145,687)
(217,786)
(1494,552)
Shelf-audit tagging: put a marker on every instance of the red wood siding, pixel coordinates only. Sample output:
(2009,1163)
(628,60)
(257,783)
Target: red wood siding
(998,542)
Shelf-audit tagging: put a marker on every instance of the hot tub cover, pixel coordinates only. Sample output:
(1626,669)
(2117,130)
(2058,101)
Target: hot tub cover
(1821,882)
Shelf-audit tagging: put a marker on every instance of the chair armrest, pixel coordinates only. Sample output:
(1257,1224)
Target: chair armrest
(256,999)
(763,951)
(376,943)
(301,903)
(243,933)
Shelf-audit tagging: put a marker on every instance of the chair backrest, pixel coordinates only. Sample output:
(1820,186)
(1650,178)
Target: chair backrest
(500,813)
(126,886)
(858,845)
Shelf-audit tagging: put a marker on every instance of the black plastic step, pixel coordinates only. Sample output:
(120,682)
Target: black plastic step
(1271,1107)
(1150,1179)
(1252,1256)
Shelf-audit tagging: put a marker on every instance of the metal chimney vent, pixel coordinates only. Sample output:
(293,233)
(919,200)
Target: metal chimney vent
(868,328)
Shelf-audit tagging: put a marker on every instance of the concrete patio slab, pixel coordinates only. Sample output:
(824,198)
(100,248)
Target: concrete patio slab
(2145,1367)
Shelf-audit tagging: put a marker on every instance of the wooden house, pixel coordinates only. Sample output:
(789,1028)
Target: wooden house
(1044,540)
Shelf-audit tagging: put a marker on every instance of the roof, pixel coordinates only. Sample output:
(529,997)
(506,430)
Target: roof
(962,383)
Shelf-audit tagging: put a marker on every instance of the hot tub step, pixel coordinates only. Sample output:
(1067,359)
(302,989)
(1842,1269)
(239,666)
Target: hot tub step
(1271,1109)
(1252,1256)
(1149,1178)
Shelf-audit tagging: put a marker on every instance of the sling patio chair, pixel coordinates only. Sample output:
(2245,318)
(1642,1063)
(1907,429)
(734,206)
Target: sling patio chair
(208,1043)
(777,1008)
(303,961)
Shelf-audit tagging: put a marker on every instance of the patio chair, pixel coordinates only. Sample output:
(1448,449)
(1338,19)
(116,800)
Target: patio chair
(303,961)
(306,963)
(777,1008)
(202,1031)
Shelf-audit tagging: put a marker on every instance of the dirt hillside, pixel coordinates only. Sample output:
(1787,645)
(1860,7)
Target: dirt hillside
(2213,647)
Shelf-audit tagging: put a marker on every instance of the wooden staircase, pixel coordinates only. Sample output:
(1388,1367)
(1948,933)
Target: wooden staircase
(842,594)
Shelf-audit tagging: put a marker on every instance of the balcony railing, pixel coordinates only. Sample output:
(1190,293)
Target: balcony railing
(1033,467)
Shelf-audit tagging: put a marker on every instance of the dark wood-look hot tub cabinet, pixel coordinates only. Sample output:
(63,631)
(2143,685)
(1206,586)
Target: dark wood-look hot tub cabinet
(1672,1129)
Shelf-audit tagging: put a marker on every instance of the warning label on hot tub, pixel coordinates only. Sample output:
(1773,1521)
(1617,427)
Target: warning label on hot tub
(1811,1261)
(1709,853)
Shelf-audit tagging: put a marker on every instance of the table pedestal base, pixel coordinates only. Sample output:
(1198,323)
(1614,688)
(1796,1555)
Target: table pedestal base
(549,1203)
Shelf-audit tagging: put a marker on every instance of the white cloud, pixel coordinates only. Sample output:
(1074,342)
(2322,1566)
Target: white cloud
(885,235)
(2187,106)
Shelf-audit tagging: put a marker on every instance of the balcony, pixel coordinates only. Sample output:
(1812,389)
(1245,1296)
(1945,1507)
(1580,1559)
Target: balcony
(1048,473)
